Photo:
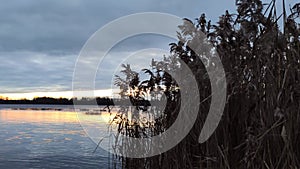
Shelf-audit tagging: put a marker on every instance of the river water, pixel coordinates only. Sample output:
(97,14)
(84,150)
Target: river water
(48,136)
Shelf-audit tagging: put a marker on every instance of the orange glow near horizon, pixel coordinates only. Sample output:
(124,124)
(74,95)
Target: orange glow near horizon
(38,116)
(34,116)
(62,94)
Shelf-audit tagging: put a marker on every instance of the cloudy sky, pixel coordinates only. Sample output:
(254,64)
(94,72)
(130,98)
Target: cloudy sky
(40,40)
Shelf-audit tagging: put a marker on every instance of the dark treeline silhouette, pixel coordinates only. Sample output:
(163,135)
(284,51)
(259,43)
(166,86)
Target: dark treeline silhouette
(60,101)
(83,101)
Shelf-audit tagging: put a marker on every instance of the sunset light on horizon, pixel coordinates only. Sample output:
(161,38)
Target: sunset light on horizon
(150,84)
(60,94)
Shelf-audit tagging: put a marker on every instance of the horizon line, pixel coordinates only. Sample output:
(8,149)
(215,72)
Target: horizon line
(57,94)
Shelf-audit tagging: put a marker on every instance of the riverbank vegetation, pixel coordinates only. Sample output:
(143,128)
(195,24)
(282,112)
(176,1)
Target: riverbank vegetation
(261,121)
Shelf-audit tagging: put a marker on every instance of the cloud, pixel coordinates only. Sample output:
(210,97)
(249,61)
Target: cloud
(55,25)
(40,40)
(32,71)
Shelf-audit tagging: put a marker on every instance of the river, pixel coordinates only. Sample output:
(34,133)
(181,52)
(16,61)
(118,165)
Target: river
(48,136)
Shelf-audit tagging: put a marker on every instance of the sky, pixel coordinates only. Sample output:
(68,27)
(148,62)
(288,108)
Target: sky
(40,40)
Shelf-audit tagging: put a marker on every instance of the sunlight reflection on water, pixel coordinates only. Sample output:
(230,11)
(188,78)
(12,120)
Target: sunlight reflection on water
(47,139)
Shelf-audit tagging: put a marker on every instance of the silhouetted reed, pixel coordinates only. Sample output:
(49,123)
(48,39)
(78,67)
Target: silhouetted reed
(261,122)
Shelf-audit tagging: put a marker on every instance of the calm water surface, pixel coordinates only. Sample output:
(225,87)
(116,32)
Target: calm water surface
(47,137)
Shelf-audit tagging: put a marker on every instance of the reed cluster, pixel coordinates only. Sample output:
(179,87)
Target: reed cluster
(261,122)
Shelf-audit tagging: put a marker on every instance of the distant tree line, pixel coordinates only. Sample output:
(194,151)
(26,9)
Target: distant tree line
(60,101)
(81,101)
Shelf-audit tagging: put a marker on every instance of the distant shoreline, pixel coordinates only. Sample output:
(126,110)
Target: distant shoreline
(59,101)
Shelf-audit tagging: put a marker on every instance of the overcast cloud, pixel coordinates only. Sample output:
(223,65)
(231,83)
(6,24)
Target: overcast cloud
(41,39)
